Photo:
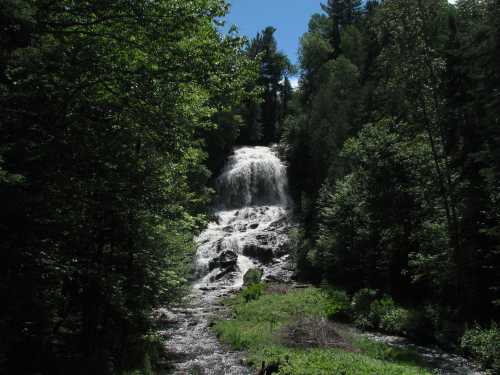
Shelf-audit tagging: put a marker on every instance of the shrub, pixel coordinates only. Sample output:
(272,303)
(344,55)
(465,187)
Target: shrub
(252,276)
(379,309)
(144,355)
(252,292)
(396,320)
(384,314)
(338,306)
(484,345)
(362,300)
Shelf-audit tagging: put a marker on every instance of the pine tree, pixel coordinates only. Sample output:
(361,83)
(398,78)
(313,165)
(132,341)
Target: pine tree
(341,13)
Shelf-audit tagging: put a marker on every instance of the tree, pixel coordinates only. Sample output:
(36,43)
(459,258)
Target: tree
(102,172)
(341,13)
(263,123)
(393,153)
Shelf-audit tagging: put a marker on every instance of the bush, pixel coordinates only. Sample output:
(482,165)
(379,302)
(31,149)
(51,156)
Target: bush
(143,355)
(398,320)
(338,306)
(379,309)
(252,292)
(483,344)
(362,300)
(252,276)
(385,315)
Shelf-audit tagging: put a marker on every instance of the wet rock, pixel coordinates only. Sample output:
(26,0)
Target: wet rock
(229,273)
(208,289)
(241,228)
(278,225)
(227,261)
(228,229)
(282,249)
(254,226)
(262,253)
(165,316)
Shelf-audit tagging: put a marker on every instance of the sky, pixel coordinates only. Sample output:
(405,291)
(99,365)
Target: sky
(289,17)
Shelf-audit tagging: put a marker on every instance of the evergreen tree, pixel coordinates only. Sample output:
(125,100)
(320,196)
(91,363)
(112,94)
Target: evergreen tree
(341,13)
(263,123)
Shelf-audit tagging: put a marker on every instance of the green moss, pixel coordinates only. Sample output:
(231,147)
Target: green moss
(256,326)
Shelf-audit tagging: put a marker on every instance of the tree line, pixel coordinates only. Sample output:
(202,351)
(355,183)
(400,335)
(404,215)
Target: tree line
(393,146)
(107,110)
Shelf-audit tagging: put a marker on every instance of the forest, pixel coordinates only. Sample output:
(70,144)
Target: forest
(116,117)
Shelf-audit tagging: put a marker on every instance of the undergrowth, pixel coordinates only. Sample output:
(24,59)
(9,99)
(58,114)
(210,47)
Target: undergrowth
(258,326)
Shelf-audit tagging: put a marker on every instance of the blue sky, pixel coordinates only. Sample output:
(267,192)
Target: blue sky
(289,17)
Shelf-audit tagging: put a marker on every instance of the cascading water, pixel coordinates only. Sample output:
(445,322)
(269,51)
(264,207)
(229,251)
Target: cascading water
(250,231)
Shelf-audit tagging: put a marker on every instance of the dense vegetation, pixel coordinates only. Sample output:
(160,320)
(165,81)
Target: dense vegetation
(393,145)
(105,109)
(287,330)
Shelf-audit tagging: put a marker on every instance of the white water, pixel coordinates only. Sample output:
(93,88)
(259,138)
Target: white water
(250,231)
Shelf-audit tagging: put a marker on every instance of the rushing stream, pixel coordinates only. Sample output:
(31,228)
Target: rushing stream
(250,231)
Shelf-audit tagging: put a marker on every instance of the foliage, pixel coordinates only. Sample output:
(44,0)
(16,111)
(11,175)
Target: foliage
(392,146)
(383,314)
(338,305)
(263,118)
(362,300)
(256,326)
(252,276)
(106,107)
(252,292)
(484,345)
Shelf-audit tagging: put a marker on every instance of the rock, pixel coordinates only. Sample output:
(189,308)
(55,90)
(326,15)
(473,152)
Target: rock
(254,226)
(222,273)
(264,239)
(259,252)
(228,229)
(282,249)
(227,261)
(278,225)
(208,289)
(165,316)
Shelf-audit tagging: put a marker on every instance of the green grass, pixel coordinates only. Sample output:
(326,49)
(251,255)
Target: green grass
(256,325)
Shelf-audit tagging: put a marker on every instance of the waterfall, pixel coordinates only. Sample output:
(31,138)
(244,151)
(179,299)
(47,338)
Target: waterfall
(249,231)
(251,226)
(253,176)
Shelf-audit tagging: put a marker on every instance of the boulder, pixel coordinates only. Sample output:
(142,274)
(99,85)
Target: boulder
(164,316)
(223,273)
(260,252)
(227,260)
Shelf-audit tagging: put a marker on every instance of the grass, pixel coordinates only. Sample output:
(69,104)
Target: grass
(258,326)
